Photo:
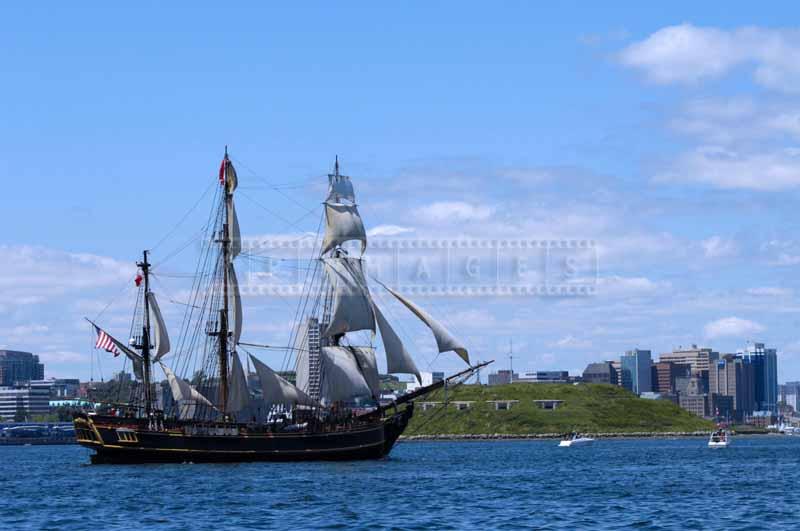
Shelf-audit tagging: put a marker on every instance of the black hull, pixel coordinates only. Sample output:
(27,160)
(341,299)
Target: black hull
(126,441)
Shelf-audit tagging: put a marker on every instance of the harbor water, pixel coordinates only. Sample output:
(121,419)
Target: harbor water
(613,484)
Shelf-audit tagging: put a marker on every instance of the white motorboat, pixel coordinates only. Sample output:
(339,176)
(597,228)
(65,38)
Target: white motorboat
(718,439)
(575,440)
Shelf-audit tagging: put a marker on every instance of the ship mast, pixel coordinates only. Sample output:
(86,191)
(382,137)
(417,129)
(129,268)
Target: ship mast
(144,265)
(224,311)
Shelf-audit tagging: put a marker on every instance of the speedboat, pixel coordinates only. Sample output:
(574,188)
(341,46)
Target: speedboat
(718,439)
(576,440)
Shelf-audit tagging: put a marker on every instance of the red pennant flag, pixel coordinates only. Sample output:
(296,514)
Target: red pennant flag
(222,171)
(138,280)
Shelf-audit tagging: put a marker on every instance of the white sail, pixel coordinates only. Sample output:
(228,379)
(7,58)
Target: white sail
(231,179)
(340,188)
(234,305)
(234,231)
(277,390)
(398,360)
(160,337)
(352,305)
(342,224)
(444,339)
(184,394)
(365,357)
(341,377)
(238,394)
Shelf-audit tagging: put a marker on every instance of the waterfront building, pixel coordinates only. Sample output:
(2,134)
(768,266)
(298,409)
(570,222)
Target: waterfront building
(502,377)
(18,367)
(65,388)
(25,401)
(732,376)
(636,371)
(665,373)
(765,376)
(601,373)
(543,377)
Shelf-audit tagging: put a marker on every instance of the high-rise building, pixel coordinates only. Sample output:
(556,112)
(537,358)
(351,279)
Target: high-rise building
(664,376)
(732,376)
(19,367)
(765,376)
(699,359)
(636,371)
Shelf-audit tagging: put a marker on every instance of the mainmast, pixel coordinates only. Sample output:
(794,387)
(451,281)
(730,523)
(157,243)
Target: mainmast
(144,265)
(224,311)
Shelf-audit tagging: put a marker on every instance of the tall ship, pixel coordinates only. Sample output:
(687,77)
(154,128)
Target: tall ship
(332,410)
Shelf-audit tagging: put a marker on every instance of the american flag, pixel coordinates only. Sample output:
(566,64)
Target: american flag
(105,342)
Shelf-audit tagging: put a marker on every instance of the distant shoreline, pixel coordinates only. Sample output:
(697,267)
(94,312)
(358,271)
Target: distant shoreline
(551,436)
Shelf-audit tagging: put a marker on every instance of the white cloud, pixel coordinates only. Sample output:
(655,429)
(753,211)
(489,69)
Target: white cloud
(771,170)
(723,121)
(770,292)
(630,286)
(690,54)
(454,211)
(389,230)
(718,247)
(570,341)
(785,259)
(30,273)
(732,327)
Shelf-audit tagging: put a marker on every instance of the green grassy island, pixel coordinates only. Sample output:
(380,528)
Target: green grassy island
(588,408)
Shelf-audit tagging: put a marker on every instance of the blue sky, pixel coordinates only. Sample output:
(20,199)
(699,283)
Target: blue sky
(667,135)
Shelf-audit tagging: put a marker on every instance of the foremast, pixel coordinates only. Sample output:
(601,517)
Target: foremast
(225,242)
(144,266)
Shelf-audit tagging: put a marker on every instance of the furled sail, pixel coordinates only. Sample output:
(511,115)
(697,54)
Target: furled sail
(228,173)
(444,339)
(234,230)
(160,337)
(352,305)
(341,377)
(342,224)
(238,394)
(184,394)
(235,305)
(398,359)
(277,390)
(340,188)
(365,357)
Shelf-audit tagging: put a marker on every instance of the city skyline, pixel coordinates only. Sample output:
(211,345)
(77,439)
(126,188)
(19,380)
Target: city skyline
(677,168)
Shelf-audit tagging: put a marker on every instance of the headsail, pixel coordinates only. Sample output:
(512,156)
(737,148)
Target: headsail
(368,365)
(398,359)
(444,339)
(161,337)
(341,377)
(352,305)
(238,395)
(277,390)
(342,224)
(184,394)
